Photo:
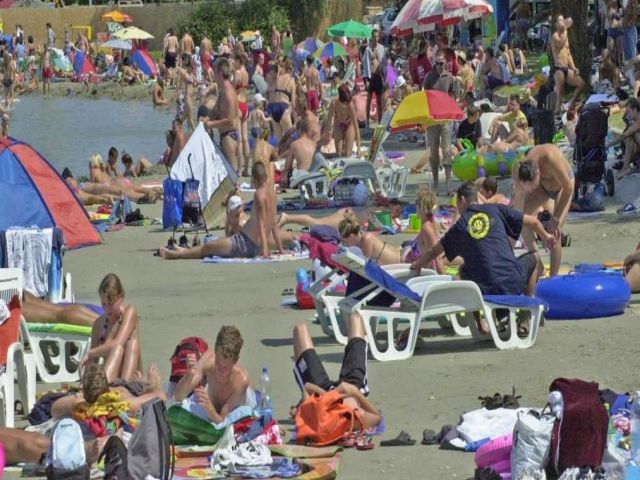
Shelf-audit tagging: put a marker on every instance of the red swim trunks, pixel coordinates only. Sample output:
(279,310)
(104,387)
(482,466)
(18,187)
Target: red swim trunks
(47,72)
(313,102)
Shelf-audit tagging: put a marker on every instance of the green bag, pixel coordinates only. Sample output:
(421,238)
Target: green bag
(189,429)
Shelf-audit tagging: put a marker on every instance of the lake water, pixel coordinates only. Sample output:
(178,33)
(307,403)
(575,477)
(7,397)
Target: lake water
(67,131)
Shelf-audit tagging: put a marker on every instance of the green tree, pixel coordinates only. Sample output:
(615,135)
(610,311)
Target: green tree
(212,18)
(578,34)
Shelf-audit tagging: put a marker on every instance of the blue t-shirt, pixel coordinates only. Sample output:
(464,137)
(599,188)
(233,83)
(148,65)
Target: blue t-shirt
(481,238)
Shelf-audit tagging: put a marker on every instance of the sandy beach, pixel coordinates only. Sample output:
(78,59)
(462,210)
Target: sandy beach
(176,299)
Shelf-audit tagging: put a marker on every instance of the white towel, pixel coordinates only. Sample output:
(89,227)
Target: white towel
(30,250)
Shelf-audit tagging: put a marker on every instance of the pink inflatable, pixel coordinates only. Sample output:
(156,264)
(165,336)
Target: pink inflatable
(495,452)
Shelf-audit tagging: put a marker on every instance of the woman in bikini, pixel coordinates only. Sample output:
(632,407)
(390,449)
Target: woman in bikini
(10,71)
(281,98)
(373,248)
(615,31)
(518,138)
(345,122)
(186,81)
(114,336)
(241,79)
(101,183)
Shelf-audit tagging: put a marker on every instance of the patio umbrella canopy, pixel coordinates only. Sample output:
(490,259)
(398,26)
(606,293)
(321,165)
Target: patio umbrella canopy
(248,35)
(311,44)
(350,29)
(132,33)
(425,15)
(117,17)
(427,107)
(117,43)
(330,50)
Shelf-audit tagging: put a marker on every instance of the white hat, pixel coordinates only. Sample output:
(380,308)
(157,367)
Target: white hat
(258,98)
(234,203)
(400,81)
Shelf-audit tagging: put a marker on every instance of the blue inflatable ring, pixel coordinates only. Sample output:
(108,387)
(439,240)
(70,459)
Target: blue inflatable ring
(581,295)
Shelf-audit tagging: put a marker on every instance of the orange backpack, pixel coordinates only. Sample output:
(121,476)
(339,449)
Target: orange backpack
(324,419)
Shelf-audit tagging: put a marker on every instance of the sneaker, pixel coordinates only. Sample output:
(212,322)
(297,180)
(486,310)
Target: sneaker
(628,210)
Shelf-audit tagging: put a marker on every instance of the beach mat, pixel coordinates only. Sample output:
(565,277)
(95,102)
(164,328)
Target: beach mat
(286,257)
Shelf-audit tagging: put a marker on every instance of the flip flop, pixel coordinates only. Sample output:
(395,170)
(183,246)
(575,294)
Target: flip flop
(402,440)
(511,401)
(350,440)
(429,437)
(363,442)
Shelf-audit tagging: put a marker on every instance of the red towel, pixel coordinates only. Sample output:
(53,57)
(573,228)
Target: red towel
(320,250)
(10,329)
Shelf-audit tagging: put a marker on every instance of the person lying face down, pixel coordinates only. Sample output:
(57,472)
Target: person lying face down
(227,384)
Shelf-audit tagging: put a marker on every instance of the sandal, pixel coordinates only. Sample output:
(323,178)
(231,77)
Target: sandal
(363,442)
(349,440)
(402,440)
(429,437)
(511,401)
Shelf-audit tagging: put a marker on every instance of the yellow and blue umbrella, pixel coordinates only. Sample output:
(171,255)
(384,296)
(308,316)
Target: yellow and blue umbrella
(311,44)
(330,50)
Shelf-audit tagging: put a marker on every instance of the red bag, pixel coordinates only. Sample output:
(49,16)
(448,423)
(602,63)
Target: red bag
(324,419)
(579,439)
(189,345)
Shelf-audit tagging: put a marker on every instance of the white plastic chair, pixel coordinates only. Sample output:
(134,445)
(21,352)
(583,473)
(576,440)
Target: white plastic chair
(20,365)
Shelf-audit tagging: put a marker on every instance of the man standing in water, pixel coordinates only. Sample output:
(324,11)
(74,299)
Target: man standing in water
(565,71)
(47,71)
(186,44)
(226,111)
(253,239)
(314,87)
(170,52)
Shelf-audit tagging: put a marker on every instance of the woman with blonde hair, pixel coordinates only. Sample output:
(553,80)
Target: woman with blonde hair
(426,203)
(372,247)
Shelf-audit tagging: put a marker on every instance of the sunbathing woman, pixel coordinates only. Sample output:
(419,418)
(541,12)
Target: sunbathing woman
(373,248)
(88,198)
(114,336)
(345,122)
(36,310)
(426,203)
(518,138)
(102,183)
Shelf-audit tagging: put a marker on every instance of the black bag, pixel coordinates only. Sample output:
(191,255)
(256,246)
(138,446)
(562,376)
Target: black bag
(115,459)
(150,447)
(81,473)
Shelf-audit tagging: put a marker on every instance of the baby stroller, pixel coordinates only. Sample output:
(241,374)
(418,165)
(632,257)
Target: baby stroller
(590,153)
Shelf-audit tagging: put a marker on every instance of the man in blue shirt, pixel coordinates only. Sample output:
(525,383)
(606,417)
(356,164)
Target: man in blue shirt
(482,238)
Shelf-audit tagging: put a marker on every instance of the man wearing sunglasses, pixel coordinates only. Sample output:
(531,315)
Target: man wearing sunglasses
(439,136)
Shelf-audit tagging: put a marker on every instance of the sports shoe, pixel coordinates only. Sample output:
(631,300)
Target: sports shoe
(628,210)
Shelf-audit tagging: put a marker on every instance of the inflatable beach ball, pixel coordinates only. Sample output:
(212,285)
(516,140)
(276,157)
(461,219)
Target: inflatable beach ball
(360,195)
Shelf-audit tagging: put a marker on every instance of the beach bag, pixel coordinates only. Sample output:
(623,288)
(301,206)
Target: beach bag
(66,458)
(324,419)
(190,429)
(150,447)
(189,345)
(531,442)
(579,437)
(119,211)
(171,203)
(115,459)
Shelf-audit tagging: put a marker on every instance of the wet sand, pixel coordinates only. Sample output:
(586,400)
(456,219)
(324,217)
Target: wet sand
(177,299)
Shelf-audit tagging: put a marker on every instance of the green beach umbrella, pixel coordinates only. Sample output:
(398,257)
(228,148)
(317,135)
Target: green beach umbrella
(350,29)
(330,50)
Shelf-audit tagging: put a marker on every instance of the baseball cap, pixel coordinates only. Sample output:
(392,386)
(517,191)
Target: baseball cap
(234,203)
(258,98)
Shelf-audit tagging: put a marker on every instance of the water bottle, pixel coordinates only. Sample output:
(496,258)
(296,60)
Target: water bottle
(265,390)
(635,429)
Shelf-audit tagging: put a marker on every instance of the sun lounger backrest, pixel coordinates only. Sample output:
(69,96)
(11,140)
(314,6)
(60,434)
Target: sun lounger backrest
(460,296)
(10,283)
(374,272)
(350,262)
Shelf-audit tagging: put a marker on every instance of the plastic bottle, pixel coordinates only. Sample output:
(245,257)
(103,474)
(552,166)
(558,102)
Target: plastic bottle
(635,429)
(265,390)
(611,431)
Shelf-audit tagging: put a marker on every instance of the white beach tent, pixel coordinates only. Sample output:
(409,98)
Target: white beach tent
(203,160)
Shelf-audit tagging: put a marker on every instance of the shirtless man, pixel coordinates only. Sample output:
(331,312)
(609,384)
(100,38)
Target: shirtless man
(264,152)
(253,238)
(491,73)
(170,52)
(314,87)
(566,72)
(226,382)
(544,179)
(82,43)
(179,142)
(301,150)
(186,44)
(225,114)
(158,94)
(630,137)
(47,71)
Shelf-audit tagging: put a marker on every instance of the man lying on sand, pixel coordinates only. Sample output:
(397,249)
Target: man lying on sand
(227,384)
(253,238)
(352,384)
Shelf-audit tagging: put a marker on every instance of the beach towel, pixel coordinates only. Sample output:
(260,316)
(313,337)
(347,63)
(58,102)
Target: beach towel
(285,257)
(322,251)
(9,330)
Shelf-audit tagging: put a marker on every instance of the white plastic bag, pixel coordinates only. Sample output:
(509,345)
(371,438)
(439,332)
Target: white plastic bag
(531,443)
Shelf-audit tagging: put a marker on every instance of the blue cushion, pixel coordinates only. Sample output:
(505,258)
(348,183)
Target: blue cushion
(378,275)
(516,301)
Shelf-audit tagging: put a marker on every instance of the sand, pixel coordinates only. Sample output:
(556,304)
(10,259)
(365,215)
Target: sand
(176,299)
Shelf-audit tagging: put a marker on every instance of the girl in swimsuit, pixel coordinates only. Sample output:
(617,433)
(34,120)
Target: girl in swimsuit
(114,336)
(241,78)
(614,32)
(373,248)
(345,122)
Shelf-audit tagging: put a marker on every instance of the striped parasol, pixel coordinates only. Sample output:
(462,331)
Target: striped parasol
(425,15)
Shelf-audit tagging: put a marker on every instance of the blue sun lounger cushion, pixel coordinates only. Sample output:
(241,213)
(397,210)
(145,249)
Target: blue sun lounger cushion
(516,301)
(379,276)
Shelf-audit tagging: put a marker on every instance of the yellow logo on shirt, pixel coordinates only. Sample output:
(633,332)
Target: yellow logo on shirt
(479,225)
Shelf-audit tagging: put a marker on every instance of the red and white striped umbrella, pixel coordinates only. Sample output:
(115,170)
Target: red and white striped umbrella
(425,15)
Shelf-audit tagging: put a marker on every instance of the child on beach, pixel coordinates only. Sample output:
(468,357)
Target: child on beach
(114,336)
(257,119)
(426,203)
(143,167)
